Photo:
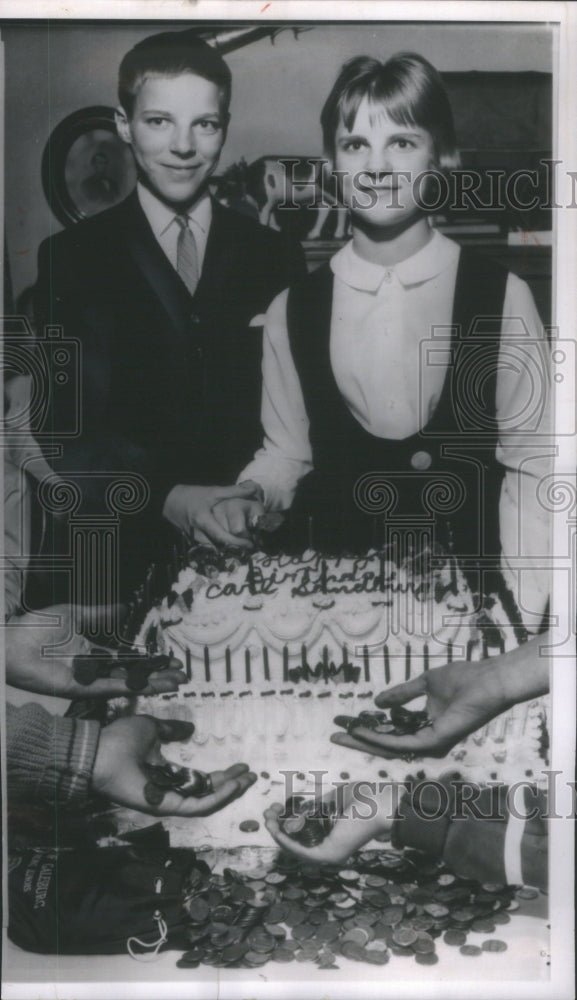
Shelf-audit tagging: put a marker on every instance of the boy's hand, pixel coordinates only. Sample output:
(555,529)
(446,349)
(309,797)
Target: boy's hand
(127,744)
(191,509)
(362,818)
(31,663)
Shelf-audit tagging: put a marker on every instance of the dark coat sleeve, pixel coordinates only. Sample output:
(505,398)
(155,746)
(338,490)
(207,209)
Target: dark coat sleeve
(78,421)
(465,826)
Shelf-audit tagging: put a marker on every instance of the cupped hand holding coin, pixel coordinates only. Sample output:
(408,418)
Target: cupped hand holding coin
(47,653)
(461,697)
(130,747)
(363,813)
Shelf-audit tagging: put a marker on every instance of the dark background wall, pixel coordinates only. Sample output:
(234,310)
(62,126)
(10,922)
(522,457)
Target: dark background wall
(54,70)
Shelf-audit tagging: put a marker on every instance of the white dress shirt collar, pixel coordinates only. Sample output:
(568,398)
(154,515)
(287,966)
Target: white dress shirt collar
(436,256)
(161,219)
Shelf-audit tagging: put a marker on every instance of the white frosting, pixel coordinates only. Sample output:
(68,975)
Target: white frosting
(245,633)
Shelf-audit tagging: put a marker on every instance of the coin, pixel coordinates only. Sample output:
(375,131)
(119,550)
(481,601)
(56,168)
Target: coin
(472,950)
(296,915)
(427,958)
(376,957)
(249,825)
(319,890)
(196,934)
(293,892)
(501,918)
(349,876)
(392,915)
(483,926)
(345,904)
(293,825)
(153,794)
(256,958)
(375,881)
(328,931)
(404,936)
(275,930)
(193,955)
(234,952)
(424,943)
(303,931)
(465,915)
(494,944)
(261,941)
(277,913)
(352,950)
(454,936)
(526,892)
(198,911)
(283,955)
(422,923)
(242,893)
(397,949)
(275,878)
(436,910)
(359,935)
(376,897)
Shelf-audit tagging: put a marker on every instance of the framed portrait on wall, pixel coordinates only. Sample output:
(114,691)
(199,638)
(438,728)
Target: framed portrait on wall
(289,445)
(85,167)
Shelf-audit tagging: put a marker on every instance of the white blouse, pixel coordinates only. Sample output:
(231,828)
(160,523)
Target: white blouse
(389,350)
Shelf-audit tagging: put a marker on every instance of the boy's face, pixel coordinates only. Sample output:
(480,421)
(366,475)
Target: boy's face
(380,161)
(176,132)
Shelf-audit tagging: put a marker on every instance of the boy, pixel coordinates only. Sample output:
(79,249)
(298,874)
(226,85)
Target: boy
(166,293)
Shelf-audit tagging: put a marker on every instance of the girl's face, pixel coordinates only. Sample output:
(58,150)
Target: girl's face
(380,161)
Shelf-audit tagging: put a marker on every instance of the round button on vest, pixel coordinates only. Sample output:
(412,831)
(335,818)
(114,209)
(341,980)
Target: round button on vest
(194,318)
(421,460)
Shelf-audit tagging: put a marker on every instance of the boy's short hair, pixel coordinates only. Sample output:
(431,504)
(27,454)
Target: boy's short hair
(410,89)
(171,53)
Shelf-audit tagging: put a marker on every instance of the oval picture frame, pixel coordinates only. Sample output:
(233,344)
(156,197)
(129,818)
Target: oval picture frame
(86,167)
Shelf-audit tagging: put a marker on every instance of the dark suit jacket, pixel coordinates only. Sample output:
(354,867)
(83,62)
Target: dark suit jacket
(170,383)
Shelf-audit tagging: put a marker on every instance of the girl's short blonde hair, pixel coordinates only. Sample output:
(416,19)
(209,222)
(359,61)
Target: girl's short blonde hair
(410,91)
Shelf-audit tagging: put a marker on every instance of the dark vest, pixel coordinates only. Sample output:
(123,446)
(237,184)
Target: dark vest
(442,482)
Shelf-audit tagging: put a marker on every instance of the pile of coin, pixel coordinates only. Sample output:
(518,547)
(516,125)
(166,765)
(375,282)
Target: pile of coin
(308,820)
(164,777)
(137,669)
(399,722)
(384,904)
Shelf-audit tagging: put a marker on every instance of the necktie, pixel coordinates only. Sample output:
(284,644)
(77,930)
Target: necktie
(186,255)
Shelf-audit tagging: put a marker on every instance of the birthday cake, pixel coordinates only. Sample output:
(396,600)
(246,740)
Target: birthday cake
(276,646)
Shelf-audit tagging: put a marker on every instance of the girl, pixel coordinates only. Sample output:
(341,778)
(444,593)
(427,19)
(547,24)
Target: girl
(407,378)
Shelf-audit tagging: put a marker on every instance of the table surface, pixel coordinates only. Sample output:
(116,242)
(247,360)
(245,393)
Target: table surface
(526,960)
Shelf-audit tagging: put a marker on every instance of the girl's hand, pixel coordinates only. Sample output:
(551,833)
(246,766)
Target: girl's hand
(191,509)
